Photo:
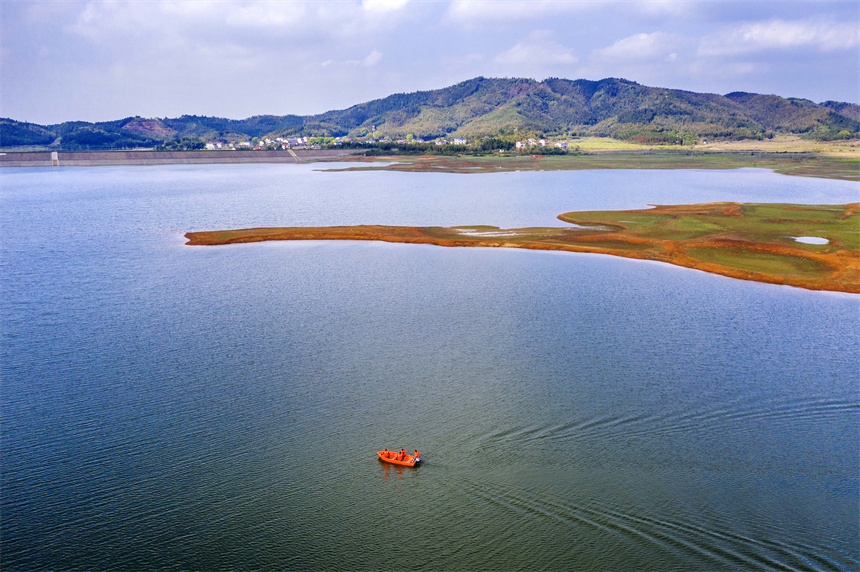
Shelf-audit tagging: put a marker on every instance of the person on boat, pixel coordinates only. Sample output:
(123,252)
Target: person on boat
(417,456)
(386,453)
(402,454)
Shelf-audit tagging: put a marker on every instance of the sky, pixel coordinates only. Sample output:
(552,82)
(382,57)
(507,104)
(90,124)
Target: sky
(110,59)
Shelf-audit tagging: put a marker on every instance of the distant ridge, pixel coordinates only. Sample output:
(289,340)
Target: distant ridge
(481,107)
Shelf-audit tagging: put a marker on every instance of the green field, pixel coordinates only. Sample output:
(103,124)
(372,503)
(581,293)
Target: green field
(770,223)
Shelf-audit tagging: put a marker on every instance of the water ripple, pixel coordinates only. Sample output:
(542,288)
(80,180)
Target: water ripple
(712,421)
(723,548)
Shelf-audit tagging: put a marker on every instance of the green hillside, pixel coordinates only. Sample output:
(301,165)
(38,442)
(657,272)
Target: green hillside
(610,107)
(486,107)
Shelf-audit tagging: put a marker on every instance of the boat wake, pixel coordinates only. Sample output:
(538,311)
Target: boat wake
(659,539)
(672,422)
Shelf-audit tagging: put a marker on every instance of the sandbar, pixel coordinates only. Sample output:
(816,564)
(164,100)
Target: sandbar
(748,241)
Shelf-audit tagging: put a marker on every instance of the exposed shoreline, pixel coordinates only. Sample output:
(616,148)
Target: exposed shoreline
(786,163)
(809,164)
(770,255)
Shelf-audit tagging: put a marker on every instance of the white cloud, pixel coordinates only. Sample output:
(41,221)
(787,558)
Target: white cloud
(223,20)
(666,7)
(537,50)
(639,47)
(263,14)
(382,6)
(372,59)
(781,35)
(475,12)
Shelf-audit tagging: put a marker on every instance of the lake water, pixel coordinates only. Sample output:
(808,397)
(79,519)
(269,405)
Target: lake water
(204,408)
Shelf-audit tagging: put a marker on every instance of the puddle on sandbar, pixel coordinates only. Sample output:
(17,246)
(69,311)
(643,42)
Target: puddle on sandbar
(810,240)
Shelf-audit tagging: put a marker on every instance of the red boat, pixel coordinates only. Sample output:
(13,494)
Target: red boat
(392,457)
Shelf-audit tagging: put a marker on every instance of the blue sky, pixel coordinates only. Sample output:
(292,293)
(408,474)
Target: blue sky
(102,60)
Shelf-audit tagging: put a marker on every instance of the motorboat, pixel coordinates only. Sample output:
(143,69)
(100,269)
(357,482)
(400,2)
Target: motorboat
(396,458)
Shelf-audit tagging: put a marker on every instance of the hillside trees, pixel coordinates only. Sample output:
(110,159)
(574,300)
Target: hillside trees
(14,133)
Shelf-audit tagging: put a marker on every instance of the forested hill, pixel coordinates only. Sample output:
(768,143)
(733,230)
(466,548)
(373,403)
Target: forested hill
(487,107)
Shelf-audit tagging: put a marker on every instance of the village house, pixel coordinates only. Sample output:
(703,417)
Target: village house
(459,141)
(264,143)
(531,143)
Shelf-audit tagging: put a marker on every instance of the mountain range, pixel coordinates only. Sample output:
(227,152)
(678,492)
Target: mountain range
(482,107)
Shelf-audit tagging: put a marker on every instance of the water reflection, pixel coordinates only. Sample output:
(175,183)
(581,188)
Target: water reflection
(396,472)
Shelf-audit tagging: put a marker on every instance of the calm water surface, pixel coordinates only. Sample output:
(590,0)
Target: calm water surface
(174,407)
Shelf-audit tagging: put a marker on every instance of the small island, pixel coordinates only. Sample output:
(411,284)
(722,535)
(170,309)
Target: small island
(808,246)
